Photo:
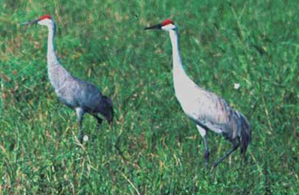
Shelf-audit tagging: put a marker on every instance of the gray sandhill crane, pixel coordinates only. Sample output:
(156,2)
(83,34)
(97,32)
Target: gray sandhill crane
(79,95)
(206,109)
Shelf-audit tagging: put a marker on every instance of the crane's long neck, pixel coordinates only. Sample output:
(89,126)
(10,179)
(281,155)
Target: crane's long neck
(180,77)
(57,74)
(177,60)
(51,56)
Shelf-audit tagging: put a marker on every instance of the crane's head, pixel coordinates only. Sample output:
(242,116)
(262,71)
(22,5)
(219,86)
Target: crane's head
(106,108)
(45,20)
(166,25)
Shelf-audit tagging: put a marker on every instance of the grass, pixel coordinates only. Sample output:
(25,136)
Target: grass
(152,147)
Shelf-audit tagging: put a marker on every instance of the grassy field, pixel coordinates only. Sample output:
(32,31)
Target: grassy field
(152,147)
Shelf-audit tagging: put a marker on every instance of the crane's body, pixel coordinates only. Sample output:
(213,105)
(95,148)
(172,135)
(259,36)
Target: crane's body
(80,95)
(206,109)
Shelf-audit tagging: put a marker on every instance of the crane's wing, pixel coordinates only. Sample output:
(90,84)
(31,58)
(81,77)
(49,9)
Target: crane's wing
(89,96)
(212,112)
(78,93)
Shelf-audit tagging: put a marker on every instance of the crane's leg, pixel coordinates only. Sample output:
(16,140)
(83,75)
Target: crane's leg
(80,114)
(235,147)
(203,134)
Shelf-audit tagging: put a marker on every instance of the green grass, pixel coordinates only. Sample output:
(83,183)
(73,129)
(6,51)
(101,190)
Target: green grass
(152,147)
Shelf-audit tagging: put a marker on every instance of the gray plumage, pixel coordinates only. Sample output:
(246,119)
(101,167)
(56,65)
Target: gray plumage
(215,114)
(79,95)
(206,109)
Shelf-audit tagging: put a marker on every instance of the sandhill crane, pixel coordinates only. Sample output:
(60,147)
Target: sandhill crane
(206,109)
(79,95)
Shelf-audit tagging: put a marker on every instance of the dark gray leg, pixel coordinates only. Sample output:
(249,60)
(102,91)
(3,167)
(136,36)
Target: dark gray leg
(80,114)
(207,152)
(235,147)
(203,133)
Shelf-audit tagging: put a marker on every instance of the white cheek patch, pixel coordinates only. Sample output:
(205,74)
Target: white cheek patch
(168,27)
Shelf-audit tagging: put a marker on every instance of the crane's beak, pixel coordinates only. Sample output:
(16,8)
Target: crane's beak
(158,26)
(30,22)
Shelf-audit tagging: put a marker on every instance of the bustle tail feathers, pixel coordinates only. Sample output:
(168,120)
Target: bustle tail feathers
(245,133)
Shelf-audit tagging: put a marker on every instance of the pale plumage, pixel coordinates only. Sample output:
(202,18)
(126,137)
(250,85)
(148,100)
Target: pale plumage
(82,96)
(206,109)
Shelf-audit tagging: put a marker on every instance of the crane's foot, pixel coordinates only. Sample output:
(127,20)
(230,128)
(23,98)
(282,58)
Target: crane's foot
(80,138)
